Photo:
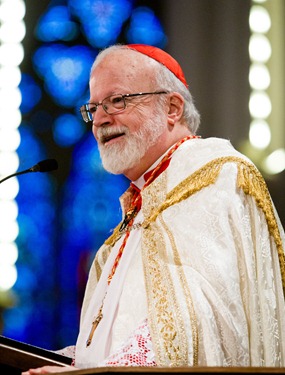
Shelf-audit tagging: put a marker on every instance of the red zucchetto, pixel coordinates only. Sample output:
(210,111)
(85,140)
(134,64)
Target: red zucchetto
(161,56)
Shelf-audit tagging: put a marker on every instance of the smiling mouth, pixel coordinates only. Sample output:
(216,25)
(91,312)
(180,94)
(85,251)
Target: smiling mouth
(107,138)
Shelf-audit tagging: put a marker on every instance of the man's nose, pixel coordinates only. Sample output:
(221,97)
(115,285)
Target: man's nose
(100,117)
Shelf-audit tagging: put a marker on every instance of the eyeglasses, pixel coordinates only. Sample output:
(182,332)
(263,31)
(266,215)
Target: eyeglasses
(112,104)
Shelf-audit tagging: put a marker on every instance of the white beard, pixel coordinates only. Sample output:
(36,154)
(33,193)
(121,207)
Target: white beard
(120,157)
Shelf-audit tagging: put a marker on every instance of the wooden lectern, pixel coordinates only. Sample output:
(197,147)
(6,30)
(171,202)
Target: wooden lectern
(16,357)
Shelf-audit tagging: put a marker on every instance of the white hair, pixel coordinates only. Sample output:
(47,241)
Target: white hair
(167,81)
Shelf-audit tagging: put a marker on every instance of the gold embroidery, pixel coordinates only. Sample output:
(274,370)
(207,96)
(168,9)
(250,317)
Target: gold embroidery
(203,177)
(100,259)
(187,293)
(165,318)
(97,268)
(252,183)
(166,324)
(114,236)
(162,303)
(249,179)
(105,254)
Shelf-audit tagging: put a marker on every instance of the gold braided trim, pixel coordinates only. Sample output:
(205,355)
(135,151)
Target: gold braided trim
(249,179)
(100,260)
(166,323)
(97,268)
(187,293)
(203,177)
(114,236)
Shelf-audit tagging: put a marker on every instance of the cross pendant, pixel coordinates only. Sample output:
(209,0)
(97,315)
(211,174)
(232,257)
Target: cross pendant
(95,323)
(128,217)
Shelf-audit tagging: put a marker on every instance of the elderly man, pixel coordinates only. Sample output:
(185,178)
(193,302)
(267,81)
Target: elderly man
(193,274)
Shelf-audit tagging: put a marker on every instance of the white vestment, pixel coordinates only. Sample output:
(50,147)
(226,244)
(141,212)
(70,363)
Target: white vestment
(204,266)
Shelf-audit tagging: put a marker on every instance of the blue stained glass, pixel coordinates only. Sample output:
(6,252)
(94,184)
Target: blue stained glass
(101,9)
(92,195)
(68,129)
(100,35)
(56,25)
(87,158)
(67,237)
(31,93)
(90,209)
(145,28)
(102,20)
(36,283)
(29,150)
(43,57)
(27,280)
(65,71)
(16,321)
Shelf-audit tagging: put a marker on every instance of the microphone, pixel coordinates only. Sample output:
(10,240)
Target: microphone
(47,165)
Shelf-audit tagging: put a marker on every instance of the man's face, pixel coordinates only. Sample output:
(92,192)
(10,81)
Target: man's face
(125,138)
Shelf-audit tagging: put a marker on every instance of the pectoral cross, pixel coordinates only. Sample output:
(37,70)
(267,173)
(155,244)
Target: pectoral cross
(95,323)
(128,217)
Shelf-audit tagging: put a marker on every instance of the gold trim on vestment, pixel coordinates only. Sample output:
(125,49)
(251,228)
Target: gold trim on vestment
(249,179)
(162,304)
(253,184)
(165,320)
(164,316)
(97,268)
(99,263)
(187,293)
(115,236)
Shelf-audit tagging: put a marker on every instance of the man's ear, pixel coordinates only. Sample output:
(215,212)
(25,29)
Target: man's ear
(175,108)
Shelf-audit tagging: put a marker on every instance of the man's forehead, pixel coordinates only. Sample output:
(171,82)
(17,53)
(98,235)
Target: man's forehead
(120,72)
(100,88)
(124,59)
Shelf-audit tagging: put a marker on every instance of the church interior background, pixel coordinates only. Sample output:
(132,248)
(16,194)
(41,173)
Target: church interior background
(232,53)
